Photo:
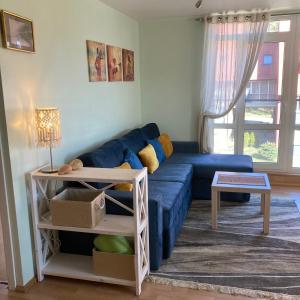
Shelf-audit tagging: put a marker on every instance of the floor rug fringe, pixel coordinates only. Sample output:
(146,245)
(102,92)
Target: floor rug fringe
(220,289)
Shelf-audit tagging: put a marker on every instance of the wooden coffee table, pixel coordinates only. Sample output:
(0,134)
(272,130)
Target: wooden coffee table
(241,183)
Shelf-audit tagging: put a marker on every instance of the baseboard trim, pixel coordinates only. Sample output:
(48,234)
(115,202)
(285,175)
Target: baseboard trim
(26,287)
(284,179)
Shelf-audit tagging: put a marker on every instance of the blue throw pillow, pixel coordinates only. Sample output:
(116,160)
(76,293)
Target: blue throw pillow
(133,160)
(158,150)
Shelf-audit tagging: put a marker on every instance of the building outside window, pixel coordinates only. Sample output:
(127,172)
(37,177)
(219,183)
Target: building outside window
(268,59)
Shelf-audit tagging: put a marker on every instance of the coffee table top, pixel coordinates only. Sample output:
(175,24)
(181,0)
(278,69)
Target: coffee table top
(241,182)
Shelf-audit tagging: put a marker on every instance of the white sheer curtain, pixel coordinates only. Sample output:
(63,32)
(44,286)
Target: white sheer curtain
(231,50)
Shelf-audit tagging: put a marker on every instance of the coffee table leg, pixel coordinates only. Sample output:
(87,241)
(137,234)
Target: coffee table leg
(267,203)
(214,209)
(262,203)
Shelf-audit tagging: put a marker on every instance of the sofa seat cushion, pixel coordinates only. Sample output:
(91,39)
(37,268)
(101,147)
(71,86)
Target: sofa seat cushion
(205,165)
(173,172)
(172,195)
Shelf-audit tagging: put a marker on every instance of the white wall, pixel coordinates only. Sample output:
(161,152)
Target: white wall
(57,75)
(171,52)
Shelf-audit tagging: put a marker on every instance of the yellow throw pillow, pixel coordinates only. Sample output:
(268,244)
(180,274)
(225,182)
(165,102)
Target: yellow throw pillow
(166,143)
(149,158)
(125,187)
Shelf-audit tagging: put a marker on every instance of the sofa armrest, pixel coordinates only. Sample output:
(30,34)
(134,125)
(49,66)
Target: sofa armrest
(186,147)
(155,221)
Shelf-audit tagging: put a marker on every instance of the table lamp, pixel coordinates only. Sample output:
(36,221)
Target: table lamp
(48,132)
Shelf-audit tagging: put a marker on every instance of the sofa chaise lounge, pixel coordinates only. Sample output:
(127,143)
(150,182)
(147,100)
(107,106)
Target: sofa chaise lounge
(186,175)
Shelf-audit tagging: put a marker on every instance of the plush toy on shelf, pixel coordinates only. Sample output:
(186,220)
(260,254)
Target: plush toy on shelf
(74,165)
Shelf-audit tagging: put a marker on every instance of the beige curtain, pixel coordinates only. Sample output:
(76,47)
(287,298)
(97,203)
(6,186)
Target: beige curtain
(232,46)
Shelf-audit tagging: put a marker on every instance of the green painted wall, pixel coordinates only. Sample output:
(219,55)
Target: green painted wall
(57,75)
(171,52)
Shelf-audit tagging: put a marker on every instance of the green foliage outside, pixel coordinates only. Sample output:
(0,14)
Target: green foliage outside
(249,139)
(264,112)
(268,151)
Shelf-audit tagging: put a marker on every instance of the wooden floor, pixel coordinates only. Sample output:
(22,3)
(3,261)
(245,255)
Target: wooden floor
(2,258)
(286,192)
(64,289)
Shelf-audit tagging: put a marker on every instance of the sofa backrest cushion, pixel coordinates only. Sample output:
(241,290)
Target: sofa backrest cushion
(150,131)
(134,140)
(110,155)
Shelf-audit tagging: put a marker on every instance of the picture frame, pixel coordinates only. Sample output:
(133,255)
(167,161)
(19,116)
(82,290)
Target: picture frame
(114,63)
(128,65)
(96,56)
(17,32)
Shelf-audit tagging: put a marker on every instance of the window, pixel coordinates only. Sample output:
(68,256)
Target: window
(268,59)
(262,145)
(225,140)
(279,26)
(267,124)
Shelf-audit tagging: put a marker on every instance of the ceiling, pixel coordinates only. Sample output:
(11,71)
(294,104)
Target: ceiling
(148,9)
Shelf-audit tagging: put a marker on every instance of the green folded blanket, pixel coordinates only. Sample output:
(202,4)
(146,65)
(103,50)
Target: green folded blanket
(113,244)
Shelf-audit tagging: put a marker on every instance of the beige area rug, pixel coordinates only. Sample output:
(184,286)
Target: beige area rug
(238,259)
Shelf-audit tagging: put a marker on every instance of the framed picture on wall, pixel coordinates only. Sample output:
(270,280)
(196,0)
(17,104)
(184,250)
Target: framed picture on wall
(17,32)
(128,65)
(96,61)
(114,63)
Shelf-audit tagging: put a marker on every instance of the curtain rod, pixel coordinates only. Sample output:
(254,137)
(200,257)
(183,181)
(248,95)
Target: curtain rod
(285,14)
(272,15)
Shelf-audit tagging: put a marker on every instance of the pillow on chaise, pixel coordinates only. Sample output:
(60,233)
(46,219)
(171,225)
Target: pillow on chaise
(166,143)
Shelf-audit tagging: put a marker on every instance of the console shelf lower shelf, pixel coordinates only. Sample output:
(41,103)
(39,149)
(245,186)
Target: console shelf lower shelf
(78,267)
(110,224)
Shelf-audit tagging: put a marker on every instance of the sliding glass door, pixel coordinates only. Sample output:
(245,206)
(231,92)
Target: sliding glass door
(296,142)
(266,125)
(263,102)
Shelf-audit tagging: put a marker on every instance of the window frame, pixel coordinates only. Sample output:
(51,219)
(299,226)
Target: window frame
(275,37)
(295,57)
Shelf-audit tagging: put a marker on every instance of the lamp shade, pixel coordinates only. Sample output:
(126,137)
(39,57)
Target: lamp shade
(48,126)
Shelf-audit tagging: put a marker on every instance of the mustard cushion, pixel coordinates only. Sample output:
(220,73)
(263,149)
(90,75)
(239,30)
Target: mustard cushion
(166,143)
(149,158)
(125,187)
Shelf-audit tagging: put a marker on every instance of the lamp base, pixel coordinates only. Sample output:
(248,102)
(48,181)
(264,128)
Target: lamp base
(49,170)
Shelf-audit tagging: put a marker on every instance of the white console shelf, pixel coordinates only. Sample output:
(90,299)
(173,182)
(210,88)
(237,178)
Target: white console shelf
(49,261)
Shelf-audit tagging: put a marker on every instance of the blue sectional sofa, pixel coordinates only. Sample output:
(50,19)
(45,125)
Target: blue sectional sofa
(186,175)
